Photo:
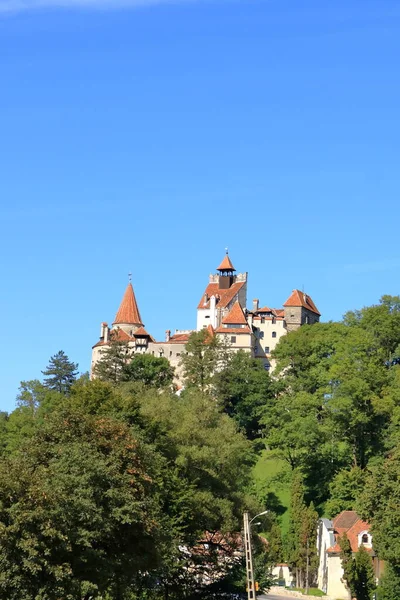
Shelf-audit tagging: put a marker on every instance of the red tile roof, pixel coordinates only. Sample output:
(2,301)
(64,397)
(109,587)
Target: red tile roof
(350,523)
(226,264)
(128,311)
(223,297)
(264,309)
(235,316)
(345,520)
(178,338)
(141,332)
(298,298)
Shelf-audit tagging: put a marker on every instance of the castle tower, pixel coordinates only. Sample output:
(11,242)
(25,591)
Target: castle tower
(128,316)
(224,289)
(300,310)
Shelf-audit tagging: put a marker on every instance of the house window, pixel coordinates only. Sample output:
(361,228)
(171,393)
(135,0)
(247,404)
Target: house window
(266,349)
(274,334)
(233,339)
(262,319)
(365,539)
(261,335)
(273,320)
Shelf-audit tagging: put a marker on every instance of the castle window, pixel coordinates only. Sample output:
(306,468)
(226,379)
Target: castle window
(274,334)
(266,349)
(273,321)
(262,319)
(365,539)
(233,339)
(261,335)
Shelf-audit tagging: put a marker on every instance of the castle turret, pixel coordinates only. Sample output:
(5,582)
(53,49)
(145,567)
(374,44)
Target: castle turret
(128,316)
(300,310)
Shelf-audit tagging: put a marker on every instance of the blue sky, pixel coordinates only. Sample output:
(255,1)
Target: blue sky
(147,136)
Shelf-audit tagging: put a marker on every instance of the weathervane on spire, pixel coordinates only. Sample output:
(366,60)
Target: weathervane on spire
(130,277)
(226,250)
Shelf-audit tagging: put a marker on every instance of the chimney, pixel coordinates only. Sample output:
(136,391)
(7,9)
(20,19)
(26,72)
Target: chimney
(167,335)
(104,332)
(255,304)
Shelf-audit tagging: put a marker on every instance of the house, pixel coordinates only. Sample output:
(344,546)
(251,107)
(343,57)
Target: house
(222,310)
(330,572)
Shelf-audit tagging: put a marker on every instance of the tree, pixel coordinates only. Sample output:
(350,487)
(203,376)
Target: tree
(78,510)
(348,564)
(112,362)
(383,322)
(380,505)
(301,544)
(243,388)
(365,579)
(345,489)
(358,571)
(151,371)
(60,373)
(205,355)
(389,583)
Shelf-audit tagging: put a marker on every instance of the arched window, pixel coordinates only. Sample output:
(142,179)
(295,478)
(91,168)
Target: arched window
(365,539)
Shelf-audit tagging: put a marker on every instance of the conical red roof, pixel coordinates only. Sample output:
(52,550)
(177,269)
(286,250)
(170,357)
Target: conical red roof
(128,311)
(226,264)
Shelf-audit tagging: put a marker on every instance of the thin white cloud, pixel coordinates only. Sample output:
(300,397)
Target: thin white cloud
(10,6)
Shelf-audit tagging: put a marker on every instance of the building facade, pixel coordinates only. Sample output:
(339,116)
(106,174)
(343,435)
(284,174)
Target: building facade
(330,571)
(223,311)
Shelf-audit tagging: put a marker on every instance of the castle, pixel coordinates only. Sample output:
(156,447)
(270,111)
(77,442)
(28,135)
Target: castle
(223,311)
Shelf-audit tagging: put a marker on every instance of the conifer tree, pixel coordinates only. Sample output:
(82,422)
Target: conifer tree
(364,583)
(348,565)
(112,363)
(60,373)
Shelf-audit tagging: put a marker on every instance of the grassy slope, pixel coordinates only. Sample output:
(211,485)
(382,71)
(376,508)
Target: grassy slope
(272,479)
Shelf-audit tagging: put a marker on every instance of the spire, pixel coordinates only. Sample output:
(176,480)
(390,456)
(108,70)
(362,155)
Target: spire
(226,264)
(128,311)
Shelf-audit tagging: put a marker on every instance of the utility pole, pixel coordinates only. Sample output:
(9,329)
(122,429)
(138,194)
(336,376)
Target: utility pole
(251,591)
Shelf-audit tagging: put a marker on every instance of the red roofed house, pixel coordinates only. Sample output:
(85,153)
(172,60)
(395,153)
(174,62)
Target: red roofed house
(330,572)
(222,310)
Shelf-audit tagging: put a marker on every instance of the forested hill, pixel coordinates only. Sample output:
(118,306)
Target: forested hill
(108,486)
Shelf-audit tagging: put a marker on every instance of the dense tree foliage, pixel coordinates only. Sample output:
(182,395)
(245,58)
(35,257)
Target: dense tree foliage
(108,487)
(205,355)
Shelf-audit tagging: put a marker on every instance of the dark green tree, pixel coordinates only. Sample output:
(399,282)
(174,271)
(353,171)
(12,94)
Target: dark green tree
(365,579)
(113,361)
(348,564)
(151,371)
(205,355)
(345,489)
(78,511)
(358,571)
(60,373)
(389,583)
(301,539)
(244,389)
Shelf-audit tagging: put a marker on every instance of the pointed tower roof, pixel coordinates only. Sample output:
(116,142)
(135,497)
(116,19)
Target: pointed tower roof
(235,316)
(226,264)
(128,311)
